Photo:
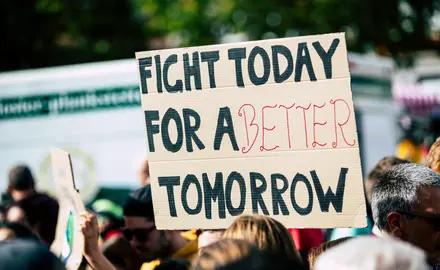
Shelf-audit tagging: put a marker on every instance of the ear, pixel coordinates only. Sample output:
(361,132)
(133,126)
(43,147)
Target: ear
(394,224)
(437,168)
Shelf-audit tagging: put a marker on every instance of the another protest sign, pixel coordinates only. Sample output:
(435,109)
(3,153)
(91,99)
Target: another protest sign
(69,241)
(263,127)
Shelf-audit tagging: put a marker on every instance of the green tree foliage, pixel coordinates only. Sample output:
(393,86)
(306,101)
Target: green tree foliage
(187,22)
(43,33)
(40,33)
(398,25)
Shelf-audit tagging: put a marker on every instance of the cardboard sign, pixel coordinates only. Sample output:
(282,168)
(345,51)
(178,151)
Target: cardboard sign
(69,240)
(263,127)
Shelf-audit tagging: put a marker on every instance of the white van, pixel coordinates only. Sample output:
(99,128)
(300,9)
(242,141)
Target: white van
(93,111)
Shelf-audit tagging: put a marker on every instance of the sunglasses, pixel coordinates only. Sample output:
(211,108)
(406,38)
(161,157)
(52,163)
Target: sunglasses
(433,221)
(141,235)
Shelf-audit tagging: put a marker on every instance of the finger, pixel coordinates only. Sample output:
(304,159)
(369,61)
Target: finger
(83,219)
(83,214)
(85,224)
(94,220)
(86,215)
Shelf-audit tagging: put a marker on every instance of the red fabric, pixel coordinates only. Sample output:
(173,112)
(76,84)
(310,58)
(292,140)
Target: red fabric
(306,239)
(113,233)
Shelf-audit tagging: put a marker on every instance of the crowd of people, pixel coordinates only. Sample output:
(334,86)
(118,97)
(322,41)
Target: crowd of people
(403,232)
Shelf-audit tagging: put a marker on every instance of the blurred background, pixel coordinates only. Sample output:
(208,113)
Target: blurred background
(68,75)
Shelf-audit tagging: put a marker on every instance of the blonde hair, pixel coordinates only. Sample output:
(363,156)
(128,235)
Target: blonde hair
(266,233)
(434,156)
(315,253)
(223,253)
(209,237)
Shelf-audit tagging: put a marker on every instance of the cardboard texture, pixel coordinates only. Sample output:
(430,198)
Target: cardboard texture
(263,127)
(69,240)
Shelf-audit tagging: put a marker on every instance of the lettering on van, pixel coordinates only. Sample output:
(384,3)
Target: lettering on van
(70,102)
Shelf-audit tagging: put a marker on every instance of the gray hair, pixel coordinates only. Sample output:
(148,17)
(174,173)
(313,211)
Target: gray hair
(396,190)
(370,253)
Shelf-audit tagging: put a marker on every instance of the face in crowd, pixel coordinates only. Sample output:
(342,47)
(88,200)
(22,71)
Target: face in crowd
(406,204)
(141,230)
(146,239)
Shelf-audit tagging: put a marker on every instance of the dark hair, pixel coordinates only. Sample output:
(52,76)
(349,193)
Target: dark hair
(385,164)
(31,255)
(315,253)
(20,230)
(20,178)
(397,190)
(140,203)
(174,264)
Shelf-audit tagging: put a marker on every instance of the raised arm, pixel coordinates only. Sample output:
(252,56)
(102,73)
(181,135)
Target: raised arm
(92,252)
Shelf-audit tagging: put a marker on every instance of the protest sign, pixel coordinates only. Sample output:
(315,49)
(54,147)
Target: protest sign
(263,127)
(69,240)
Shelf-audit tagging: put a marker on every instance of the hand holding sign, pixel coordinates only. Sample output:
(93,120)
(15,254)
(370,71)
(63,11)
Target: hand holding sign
(90,230)
(259,127)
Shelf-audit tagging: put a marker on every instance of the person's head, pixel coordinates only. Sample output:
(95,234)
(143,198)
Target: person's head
(144,173)
(26,254)
(434,156)
(16,230)
(235,254)
(266,233)
(372,253)
(405,205)
(110,215)
(208,237)
(140,228)
(20,181)
(383,165)
(315,253)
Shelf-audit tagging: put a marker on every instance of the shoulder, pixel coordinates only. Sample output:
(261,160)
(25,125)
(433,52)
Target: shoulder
(190,235)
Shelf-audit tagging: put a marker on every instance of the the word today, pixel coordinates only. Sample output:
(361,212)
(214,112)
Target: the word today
(191,63)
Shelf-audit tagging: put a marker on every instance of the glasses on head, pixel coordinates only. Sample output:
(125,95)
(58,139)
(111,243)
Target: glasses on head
(431,220)
(141,235)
